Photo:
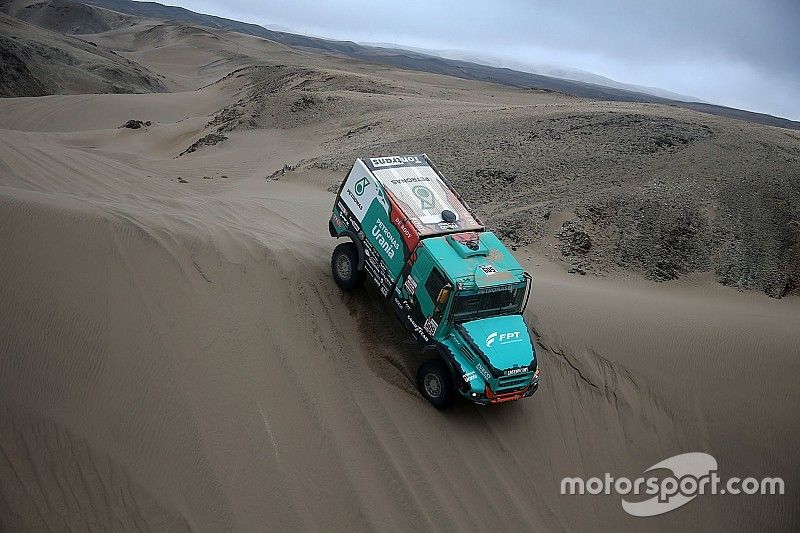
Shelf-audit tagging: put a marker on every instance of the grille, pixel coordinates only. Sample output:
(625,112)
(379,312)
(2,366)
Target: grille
(514,382)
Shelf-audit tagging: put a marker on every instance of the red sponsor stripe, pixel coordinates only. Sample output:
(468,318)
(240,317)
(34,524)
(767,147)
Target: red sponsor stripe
(503,397)
(408,232)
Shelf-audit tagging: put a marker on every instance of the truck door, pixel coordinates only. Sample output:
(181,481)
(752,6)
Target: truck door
(416,295)
(430,289)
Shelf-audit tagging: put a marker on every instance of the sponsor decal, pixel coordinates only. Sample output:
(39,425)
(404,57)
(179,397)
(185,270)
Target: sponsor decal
(353,197)
(448,226)
(485,373)
(412,179)
(411,285)
(415,327)
(497,288)
(430,326)
(515,371)
(404,312)
(407,231)
(361,185)
(489,270)
(469,376)
(504,399)
(378,162)
(382,199)
(359,191)
(402,227)
(425,196)
(385,239)
(502,338)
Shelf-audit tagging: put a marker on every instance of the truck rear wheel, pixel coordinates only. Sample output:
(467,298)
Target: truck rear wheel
(435,383)
(344,266)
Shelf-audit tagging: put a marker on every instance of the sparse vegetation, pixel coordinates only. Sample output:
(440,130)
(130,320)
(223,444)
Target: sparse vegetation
(280,172)
(208,140)
(134,124)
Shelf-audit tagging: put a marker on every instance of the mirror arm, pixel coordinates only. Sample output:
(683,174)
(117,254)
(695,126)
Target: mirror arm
(528,289)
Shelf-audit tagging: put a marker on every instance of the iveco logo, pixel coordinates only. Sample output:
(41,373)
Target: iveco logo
(502,338)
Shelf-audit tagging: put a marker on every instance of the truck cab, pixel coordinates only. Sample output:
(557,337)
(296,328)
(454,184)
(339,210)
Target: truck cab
(455,287)
(469,293)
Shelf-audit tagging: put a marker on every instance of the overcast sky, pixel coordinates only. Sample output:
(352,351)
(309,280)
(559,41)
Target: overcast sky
(739,53)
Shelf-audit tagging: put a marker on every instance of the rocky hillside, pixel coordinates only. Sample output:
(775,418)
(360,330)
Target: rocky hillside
(39,62)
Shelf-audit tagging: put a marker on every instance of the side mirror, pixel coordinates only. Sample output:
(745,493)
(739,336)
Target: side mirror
(444,294)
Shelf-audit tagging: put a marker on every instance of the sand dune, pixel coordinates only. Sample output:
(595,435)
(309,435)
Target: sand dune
(174,354)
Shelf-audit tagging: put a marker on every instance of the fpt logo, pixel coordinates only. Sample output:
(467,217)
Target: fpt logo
(361,186)
(502,338)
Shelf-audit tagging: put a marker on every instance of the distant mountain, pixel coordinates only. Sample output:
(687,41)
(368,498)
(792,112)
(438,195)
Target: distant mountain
(568,73)
(543,69)
(425,62)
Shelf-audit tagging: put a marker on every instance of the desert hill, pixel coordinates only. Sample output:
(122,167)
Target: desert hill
(408,59)
(63,16)
(39,62)
(422,62)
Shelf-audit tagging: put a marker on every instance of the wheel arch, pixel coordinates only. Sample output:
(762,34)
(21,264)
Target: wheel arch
(359,245)
(445,354)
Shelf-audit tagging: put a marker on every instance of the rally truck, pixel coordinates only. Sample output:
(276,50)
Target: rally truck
(454,285)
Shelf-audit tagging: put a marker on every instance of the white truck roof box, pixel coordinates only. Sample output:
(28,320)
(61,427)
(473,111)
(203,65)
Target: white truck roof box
(423,194)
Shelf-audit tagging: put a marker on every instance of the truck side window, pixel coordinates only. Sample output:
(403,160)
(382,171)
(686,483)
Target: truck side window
(434,284)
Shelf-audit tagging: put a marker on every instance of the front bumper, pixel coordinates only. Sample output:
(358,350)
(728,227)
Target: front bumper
(489,397)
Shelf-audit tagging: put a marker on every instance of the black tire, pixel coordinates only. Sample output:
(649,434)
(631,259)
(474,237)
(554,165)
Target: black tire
(344,266)
(435,383)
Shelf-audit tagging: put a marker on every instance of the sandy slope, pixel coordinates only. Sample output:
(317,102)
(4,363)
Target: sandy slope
(176,356)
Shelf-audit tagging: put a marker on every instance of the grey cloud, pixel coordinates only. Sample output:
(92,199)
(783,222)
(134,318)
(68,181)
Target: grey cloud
(740,52)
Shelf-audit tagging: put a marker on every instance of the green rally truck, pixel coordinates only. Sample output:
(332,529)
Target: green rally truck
(455,287)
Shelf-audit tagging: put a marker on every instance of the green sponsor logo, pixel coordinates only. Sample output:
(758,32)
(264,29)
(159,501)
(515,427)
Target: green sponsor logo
(361,185)
(425,196)
(384,237)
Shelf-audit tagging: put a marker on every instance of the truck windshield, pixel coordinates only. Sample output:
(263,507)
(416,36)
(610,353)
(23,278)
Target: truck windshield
(500,300)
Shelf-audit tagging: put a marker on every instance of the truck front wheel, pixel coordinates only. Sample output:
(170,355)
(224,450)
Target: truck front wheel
(344,266)
(435,383)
